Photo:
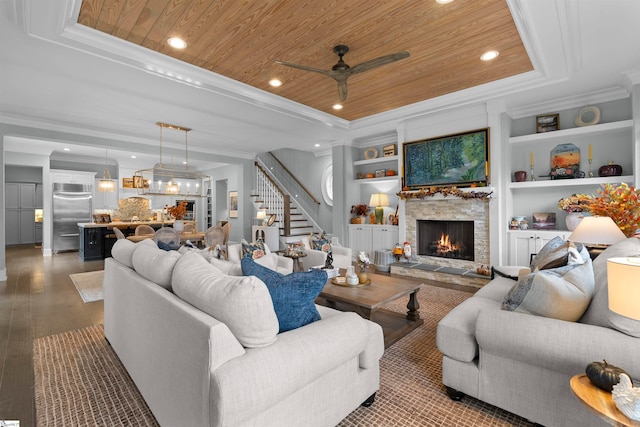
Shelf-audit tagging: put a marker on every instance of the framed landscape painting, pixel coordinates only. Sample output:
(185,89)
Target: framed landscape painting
(461,159)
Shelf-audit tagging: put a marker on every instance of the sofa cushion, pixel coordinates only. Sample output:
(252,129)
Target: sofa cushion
(227,267)
(561,293)
(598,312)
(122,251)
(293,295)
(241,303)
(552,255)
(154,264)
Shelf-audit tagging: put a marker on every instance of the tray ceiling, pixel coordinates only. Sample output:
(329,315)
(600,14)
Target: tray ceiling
(242,40)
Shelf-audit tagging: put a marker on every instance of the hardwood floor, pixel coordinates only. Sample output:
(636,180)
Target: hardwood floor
(38,299)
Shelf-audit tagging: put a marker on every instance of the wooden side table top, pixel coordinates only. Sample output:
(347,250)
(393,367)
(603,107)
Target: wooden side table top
(599,401)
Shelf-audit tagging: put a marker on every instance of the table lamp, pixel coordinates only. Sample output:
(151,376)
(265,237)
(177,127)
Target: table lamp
(379,201)
(596,233)
(261,216)
(624,288)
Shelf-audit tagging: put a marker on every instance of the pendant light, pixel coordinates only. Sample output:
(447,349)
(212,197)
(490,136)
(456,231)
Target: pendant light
(106,184)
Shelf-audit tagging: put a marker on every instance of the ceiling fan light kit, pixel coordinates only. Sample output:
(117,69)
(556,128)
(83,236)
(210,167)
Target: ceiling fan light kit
(341,71)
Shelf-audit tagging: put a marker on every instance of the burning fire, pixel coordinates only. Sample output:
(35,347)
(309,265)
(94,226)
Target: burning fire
(444,245)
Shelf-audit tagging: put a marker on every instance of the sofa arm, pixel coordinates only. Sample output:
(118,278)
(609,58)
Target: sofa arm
(294,361)
(556,345)
(285,265)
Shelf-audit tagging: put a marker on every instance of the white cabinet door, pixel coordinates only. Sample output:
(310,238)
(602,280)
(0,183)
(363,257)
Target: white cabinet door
(12,227)
(524,244)
(360,238)
(384,237)
(74,177)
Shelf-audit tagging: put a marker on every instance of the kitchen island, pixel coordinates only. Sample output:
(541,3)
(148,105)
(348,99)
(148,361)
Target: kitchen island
(97,239)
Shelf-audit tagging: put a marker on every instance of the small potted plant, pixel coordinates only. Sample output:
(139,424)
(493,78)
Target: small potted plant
(359,211)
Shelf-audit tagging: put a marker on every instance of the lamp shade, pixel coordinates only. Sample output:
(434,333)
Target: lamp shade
(597,230)
(379,199)
(261,214)
(624,287)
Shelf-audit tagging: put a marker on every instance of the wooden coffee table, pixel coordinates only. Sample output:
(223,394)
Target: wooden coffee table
(599,401)
(368,300)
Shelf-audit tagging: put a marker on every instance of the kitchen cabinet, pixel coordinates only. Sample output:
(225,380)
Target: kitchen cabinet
(74,177)
(372,237)
(91,243)
(20,205)
(525,243)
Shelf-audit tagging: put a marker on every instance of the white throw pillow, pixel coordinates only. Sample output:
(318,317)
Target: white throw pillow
(242,303)
(153,263)
(227,267)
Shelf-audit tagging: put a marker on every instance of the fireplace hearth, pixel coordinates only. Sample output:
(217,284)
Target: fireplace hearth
(446,239)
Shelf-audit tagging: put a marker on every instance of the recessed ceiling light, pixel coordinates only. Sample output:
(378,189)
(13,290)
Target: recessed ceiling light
(275,82)
(443,1)
(337,106)
(67,149)
(317,145)
(177,43)
(489,55)
(133,157)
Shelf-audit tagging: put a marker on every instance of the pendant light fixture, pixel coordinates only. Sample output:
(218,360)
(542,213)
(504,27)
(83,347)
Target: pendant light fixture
(170,180)
(106,184)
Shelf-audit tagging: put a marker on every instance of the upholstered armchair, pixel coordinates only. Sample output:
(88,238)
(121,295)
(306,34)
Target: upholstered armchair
(270,259)
(342,256)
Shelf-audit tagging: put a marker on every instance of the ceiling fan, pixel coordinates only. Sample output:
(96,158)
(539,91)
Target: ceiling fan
(341,71)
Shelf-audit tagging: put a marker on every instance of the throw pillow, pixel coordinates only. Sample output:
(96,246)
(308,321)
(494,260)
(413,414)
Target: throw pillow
(320,242)
(253,250)
(598,312)
(122,251)
(227,267)
(561,293)
(293,295)
(552,255)
(242,303)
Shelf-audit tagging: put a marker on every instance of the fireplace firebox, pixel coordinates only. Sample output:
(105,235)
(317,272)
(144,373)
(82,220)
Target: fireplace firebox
(446,239)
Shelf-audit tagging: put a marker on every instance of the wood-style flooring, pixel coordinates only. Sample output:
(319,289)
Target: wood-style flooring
(38,299)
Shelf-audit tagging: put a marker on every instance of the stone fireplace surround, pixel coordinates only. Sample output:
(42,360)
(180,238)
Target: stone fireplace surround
(446,269)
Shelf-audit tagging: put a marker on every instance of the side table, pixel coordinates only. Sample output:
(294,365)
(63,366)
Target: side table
(297,265)
(599,401)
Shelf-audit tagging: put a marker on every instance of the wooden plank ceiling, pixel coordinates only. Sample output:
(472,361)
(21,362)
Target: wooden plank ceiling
(242,39)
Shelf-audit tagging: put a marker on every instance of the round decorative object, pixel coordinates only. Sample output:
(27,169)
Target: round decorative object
(573,219)
(363,278)
(326,183)
(520,176)
(357,285)
(271,220)
(390,172)
(603,375)
(370,153)
(588,111)
(369,175)
(610,170)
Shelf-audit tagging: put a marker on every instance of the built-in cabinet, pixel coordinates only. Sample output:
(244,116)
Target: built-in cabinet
(371,237)
(20,205)
(73,177)
(381,165)
(524,244)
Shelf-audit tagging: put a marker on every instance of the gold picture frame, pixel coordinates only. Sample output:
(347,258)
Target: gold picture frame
(547,123)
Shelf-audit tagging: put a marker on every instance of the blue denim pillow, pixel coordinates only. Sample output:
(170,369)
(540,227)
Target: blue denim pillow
(293,295)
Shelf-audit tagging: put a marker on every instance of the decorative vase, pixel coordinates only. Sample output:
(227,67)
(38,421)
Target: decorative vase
(352,277)
(573,219)
(178,225)
(362,277)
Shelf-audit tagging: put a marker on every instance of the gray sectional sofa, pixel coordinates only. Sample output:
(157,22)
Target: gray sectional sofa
(232,369)
(522,362)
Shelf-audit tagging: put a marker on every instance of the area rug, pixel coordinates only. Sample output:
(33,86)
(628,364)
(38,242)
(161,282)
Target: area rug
(89,285)
(80,381)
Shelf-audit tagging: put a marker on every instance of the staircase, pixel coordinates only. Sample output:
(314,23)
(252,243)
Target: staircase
(282,195)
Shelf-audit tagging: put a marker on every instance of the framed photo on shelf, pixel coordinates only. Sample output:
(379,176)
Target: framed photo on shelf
(547,123)
(380,173)
(233,204)
(127,182)
(101,218)
(544,221)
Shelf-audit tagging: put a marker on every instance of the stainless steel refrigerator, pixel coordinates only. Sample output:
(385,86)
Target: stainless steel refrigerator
(71,205)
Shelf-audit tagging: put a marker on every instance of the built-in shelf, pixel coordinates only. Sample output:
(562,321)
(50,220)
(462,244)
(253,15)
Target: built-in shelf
(567,134)
(546,183)
(394,178)
(376,160)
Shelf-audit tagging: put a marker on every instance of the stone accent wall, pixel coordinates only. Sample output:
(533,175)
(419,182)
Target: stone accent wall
(475,210)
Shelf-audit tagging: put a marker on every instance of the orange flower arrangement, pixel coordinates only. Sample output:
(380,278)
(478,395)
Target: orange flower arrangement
(621,204)
(179,211)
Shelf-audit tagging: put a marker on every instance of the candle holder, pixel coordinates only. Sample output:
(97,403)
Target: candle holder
(590,171)
(533,178)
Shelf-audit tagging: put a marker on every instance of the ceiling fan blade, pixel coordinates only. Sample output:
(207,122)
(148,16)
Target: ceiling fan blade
(305,68)
(342,90)
(383,60)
